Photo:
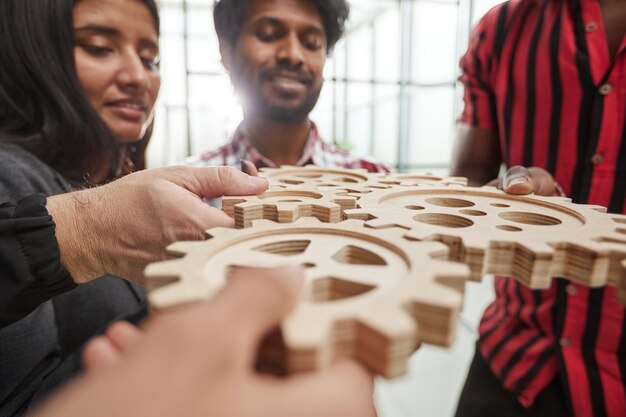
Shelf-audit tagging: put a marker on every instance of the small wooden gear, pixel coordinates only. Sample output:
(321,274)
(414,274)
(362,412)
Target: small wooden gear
(530,238)
(288,205)
(369,294)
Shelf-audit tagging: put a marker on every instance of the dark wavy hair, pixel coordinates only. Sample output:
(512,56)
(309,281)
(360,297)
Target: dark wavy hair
(228,16)
(42,105)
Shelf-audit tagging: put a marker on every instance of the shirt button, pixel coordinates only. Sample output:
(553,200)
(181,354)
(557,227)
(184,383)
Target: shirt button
(564,342)
(597,159)
(571,289)
(591,27)
(605,89)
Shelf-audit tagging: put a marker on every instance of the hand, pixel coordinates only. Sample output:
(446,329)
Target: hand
(120,227)
(520,181)
(198,361)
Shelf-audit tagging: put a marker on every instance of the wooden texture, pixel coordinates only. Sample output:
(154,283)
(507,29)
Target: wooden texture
(370,294)
(392,276)
(530,238)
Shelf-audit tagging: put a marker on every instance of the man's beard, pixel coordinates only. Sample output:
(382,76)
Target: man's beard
(258,104)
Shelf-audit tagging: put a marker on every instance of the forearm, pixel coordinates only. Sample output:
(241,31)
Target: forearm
(476,155)
(76,234)
(31,271)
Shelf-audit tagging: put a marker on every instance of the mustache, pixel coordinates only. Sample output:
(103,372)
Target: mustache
(282,70)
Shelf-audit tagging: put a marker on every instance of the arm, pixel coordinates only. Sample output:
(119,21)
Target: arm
(46,248)
(476,154)
(199,361)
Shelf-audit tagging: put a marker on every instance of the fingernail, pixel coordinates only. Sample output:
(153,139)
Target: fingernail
(244,166)
(257,181)
(518,180)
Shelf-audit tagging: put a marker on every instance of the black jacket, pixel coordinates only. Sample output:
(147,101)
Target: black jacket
(44,317)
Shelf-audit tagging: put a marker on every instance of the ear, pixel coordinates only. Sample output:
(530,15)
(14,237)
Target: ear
(226,50)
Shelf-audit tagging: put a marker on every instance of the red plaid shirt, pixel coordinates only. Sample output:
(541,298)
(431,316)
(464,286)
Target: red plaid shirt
(316,151)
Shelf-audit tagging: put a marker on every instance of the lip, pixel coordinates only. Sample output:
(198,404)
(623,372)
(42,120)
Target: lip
(288,84)
(133,110)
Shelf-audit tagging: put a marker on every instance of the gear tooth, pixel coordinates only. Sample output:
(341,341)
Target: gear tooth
(582,261)
(528,262)
(387,336)
(619,219)
(311,349)
(436,308)
(452,275)
(385,223)
(418,234)
(170,268)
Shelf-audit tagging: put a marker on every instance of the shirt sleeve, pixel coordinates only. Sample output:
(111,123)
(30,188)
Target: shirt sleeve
(30,262)
(477,68)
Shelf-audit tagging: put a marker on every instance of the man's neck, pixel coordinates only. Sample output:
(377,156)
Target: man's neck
(283,144)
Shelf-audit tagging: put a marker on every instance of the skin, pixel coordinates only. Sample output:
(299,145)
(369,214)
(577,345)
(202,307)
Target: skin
(477,153)
(196,376)
(116,53)
(120,227)
(278,63)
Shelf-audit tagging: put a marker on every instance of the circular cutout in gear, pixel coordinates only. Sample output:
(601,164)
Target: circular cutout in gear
(370,295)
(529,237)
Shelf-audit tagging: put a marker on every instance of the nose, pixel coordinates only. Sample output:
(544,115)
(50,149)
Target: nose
(291,50)
(132,75)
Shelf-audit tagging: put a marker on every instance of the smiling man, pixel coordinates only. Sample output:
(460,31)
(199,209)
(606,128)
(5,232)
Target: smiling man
(275,52)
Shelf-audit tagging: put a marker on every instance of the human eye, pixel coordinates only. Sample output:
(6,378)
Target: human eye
(96,50)
(313,42)
(151,61)
(267,33)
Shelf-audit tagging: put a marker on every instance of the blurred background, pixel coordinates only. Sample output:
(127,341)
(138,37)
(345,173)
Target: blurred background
(391,91)
(391,87)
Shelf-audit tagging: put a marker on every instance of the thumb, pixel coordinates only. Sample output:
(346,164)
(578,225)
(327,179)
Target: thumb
(258,299)
(518,180)
(211,182)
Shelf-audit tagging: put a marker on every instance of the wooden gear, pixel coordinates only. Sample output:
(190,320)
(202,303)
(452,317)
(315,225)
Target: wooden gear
(355,182)
(530,238)
(365,289)
(288,205)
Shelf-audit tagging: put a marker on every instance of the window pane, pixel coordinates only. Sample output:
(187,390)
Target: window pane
(432,126)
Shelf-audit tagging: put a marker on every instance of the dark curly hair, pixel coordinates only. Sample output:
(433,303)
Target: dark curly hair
(229,15)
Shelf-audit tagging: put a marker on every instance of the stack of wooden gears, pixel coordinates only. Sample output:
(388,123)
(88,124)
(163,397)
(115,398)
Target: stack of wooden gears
(387,257)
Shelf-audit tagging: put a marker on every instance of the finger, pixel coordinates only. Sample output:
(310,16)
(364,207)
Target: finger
(123,335)
(543,182)
(100,353)
(249,168)
(213,217)
(211,182)
(495,183)
(257,299)
(518,180)
(345,390)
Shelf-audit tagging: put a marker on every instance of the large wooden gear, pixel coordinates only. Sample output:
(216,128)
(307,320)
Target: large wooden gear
(528,237)
(354,181)
(369,294)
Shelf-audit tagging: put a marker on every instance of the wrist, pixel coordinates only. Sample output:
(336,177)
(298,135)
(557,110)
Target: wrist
(76,239)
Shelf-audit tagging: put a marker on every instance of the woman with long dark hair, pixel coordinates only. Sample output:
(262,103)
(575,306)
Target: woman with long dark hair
(78,83)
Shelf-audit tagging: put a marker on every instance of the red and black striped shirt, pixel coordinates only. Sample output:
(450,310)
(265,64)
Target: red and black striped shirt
(539,72)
